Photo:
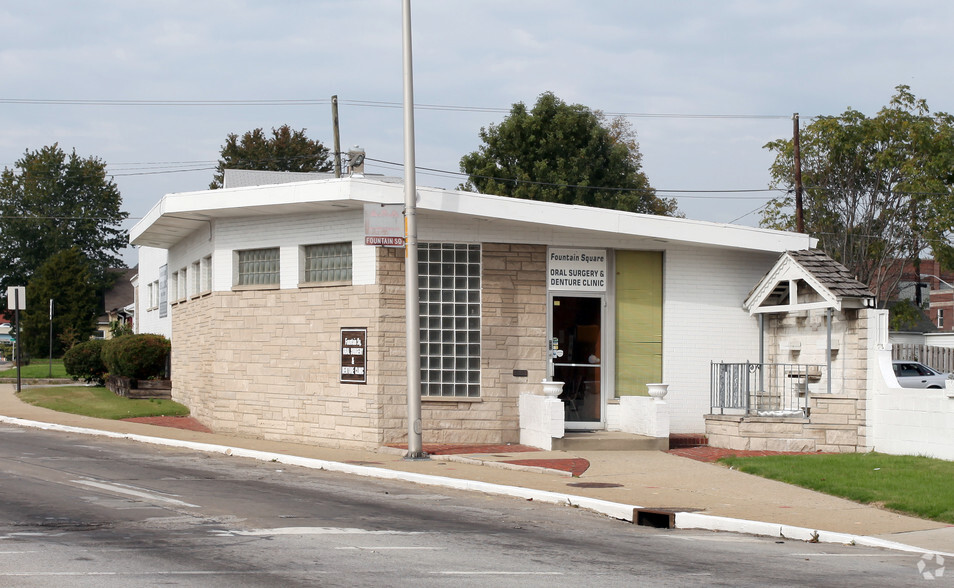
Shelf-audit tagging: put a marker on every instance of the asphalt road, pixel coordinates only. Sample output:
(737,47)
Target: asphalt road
(82,511)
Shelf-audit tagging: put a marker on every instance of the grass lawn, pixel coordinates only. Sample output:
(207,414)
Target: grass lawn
(38,368)
(97,401)
(918,486)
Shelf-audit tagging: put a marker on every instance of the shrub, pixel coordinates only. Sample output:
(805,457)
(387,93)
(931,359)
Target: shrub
(84,361)
(140,356)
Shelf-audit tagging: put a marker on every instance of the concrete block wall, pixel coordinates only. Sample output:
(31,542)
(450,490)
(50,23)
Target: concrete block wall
(904,421)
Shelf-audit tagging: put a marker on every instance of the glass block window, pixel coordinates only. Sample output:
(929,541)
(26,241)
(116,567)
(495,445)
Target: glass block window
(449,284)
(182,289)
(195,276)
(258,267)
(329,262)
(207,273)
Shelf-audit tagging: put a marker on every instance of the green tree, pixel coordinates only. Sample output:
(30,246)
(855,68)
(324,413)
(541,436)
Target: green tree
(67,279)
(877,189)
(558,152)
(286,150)
(51,201)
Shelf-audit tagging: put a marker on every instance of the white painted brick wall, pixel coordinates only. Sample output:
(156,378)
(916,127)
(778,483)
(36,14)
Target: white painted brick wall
(703,321)
(289,233)
(150,260)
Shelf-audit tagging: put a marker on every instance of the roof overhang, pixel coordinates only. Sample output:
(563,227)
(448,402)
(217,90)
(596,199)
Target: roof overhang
(176,216)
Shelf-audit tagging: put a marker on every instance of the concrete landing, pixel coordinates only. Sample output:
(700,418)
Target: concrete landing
(609,441)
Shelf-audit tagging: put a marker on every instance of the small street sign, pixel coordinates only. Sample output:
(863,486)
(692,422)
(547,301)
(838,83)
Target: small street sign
(16,295)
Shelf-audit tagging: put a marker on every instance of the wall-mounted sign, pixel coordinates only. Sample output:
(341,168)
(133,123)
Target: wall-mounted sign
(576,269)
(384,225)
(354,354)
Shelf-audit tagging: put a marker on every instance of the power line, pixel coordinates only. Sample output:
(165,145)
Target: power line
(683,193)
(356,103)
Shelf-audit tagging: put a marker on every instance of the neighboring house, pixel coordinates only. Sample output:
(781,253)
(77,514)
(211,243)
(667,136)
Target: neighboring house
(286,325)
(118,303)
(941,308)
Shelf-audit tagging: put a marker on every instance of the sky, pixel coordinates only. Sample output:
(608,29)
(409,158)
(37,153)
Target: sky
(154,88)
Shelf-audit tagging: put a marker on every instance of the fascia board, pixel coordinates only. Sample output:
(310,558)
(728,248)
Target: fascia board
(613,221)
(207,203)
(786,269)
(766,285)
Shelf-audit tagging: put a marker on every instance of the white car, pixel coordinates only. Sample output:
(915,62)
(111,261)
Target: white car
(912,374)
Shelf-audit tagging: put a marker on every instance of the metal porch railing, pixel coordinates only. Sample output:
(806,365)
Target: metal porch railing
(765,389)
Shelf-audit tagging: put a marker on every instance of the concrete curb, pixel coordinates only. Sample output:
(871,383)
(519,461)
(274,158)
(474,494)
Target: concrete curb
(683,520)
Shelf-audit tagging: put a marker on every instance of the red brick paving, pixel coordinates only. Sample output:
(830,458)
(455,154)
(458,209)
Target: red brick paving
(712,454)
(176,422)
(575,466)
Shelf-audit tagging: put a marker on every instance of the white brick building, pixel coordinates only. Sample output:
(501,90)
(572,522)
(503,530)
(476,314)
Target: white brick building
(260,281)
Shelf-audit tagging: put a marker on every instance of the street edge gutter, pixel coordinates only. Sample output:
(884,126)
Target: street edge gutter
(683,520)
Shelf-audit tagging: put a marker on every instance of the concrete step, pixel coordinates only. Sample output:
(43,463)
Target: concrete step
(608,441)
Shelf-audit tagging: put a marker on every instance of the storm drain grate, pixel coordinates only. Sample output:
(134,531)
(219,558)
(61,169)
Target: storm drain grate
(658,518)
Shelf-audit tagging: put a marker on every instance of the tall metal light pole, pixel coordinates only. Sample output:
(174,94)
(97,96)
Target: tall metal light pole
(412,308)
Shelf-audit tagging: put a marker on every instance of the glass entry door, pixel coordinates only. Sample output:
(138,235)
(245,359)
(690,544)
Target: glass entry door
(576,337)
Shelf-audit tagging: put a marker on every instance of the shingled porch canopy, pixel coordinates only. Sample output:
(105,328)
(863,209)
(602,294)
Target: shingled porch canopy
(807,280)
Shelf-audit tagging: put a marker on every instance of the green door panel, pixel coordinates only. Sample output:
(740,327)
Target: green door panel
(638,321)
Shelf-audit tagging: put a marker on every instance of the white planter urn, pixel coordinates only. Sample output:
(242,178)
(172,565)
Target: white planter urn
(552,389)
(658,391)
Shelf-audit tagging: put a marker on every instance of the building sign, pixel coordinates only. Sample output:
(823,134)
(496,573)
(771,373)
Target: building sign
(354,354)
(577,270)
(384,225)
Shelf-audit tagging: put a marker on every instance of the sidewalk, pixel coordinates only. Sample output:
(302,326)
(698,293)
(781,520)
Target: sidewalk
(704,495)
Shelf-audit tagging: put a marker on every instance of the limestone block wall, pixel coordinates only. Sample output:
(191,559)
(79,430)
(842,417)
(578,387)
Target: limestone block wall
(801,337)
(836,425)
(837,422)
(265,363)
(513,337)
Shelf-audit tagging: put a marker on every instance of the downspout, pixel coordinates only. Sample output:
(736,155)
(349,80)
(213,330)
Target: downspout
(761,352)
(828,350)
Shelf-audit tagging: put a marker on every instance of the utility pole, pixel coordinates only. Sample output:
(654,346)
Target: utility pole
(334,124)
(412,306)
(799,222)
(51,337)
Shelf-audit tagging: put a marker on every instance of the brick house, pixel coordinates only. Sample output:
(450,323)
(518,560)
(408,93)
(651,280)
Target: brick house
(261,286)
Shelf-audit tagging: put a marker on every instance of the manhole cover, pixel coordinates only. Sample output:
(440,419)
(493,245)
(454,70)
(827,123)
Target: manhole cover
(595,485)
